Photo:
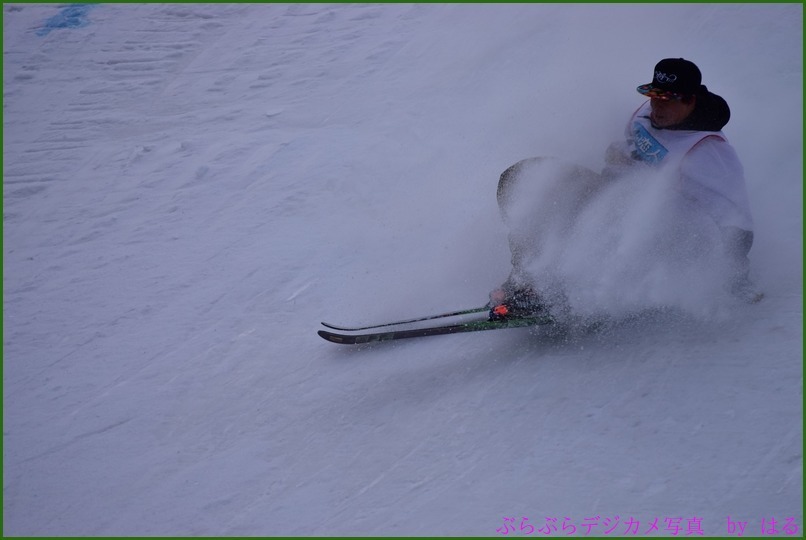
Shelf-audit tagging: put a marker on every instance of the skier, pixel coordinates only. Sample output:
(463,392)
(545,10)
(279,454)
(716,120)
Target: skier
(679,129)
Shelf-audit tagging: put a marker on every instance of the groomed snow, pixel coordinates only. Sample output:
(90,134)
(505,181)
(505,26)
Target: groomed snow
(190,188)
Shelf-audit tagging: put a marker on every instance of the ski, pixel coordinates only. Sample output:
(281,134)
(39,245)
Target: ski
(474,326)
(408,321)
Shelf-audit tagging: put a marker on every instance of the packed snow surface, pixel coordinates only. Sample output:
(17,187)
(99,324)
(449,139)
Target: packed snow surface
(189,189)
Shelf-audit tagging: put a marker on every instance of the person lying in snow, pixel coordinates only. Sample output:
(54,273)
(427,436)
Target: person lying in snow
(677,130)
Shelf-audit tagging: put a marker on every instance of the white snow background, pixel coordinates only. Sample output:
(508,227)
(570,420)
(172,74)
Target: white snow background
(189,189)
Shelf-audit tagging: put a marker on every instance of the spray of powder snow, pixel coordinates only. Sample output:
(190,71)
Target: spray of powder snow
(615,247)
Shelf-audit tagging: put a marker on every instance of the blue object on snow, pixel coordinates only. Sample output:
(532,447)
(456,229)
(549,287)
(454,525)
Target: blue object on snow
(72,16)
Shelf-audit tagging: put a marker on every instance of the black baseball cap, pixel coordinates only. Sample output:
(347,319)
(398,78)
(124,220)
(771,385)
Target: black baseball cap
(674,78)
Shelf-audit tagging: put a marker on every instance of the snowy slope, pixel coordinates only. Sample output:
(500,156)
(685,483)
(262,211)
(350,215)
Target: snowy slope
(188,189)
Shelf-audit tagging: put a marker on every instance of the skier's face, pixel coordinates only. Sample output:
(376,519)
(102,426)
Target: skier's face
(670,112)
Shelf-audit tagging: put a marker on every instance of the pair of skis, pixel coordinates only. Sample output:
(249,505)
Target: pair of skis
(385,332)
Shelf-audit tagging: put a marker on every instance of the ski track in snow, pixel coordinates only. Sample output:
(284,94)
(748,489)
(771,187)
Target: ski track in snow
(189,188)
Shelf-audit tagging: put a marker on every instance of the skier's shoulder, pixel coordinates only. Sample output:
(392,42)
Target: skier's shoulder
(714,148)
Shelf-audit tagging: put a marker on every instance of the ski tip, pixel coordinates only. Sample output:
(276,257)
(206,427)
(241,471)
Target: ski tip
(331,337)
(336,327)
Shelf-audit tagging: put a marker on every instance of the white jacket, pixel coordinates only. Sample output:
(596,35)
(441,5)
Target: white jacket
(710,173)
